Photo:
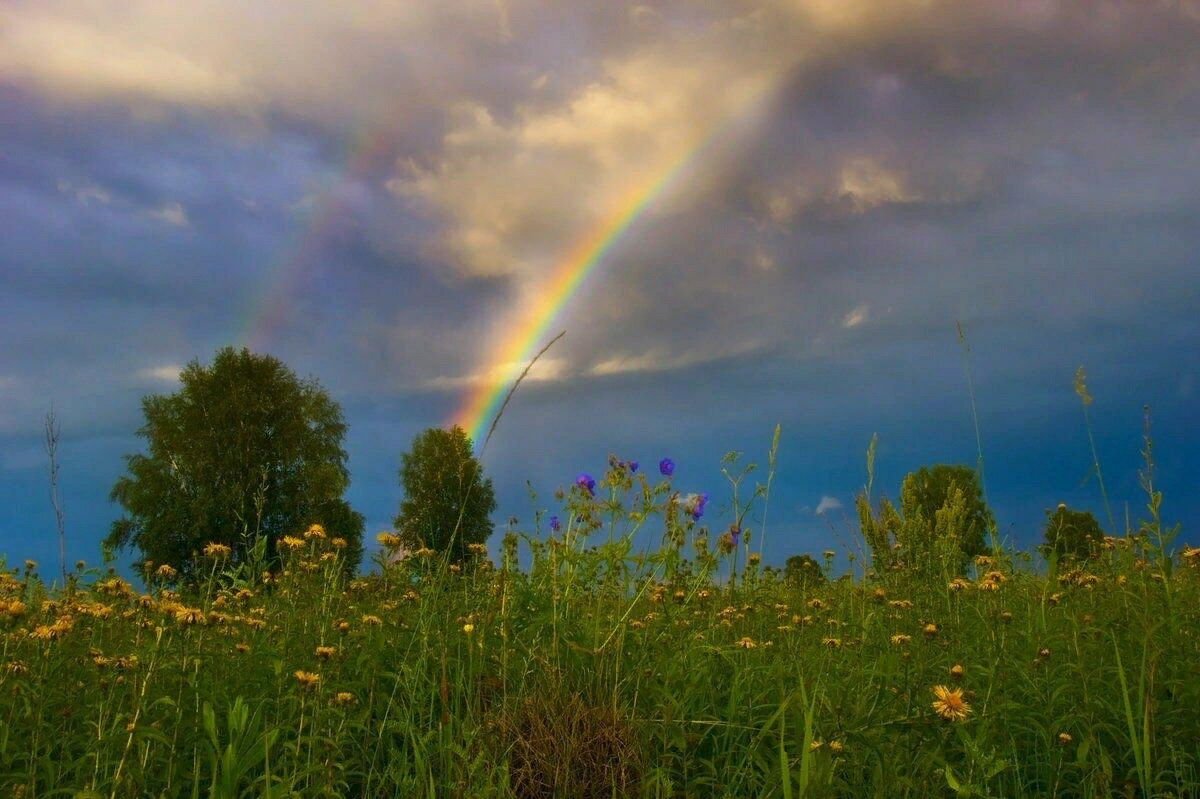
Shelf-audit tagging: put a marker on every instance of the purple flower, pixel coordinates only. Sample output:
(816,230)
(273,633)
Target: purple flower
(633,466)
(555,524)
(586,482)
(735,532)
(699,501)
(666,467)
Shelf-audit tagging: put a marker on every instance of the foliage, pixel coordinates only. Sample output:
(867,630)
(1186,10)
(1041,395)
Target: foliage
(940,527)
(803,571)
(447,502)
(243,449)
(594,673)
(1070,532)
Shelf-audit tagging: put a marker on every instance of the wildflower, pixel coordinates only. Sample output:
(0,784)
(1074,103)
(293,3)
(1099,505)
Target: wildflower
(633,466)
(1005,616)
(338,543)
(16,668)
(816,604)
(15,608)
(342,626)
(190,616)
(425,552)
(900,639)
(950,704)
(995,576)
(476,548)
(455,568)
(1064,738)
(900,604)
(326,652)
(666,467)
(586,482)
(241,647)
(555,524)
(217,551)
(165,572)
(815,745)
(829,553)
(468,628)
(957,671)
(1054,599)
(746,643)
(315,531)
(307,679)
(697,510)
(372,620)
(930,630)
(832,643)
(30,565)
(958,584)
(1043,654)
(879,595)
(344,698)
(291,542)
(836,747)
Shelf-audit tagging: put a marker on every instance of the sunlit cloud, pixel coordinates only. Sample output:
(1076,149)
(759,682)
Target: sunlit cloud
(856,317)
(162,374)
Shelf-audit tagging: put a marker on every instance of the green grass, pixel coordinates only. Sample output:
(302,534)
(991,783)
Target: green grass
(599,670)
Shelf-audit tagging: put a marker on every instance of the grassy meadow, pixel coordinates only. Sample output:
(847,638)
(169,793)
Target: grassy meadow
(577,666)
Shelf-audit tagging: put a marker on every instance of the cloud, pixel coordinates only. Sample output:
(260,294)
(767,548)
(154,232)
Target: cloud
(162,374)
(856,317)
(827,504)
(171,214)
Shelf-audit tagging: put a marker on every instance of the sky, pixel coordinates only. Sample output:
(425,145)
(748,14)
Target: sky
(742,213)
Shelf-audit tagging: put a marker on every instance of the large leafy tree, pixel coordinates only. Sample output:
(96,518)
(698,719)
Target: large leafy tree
(447,501)
(243,449)
(1071,533)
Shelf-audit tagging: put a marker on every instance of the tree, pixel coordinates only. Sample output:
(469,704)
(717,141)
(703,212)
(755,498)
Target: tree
(1071,533)
(803,571)
(941,525)
(446,500)
(243,449)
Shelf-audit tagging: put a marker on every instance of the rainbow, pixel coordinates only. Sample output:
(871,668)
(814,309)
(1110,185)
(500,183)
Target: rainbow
(484,398)
(273,309)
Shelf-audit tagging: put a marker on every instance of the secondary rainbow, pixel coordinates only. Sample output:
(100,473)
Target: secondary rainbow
(483,400)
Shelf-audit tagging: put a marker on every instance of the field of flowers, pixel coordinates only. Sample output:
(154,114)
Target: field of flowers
(576,666)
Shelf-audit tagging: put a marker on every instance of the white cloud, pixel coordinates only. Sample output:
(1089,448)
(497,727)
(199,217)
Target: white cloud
(84,194)
(827,504)
(163,374)
(544,370)
(171,213)
(856,317)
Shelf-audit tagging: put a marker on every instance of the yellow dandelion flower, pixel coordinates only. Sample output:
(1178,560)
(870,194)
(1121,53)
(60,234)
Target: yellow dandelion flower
(338,543)
(241,647)
(995,576)
(837,747)
(1064,738)
(315,531)
(342,626)
(879,595)
(30,565)
(455,568)
(746,643)
(165,572)
(900,639)
(307,678)
(957,670)
(816,604)
(988,585)
(815,745)
(344,698)
(328,556)
(468,628)
(326,652)
(832,643)
(950,704)
(16,668)
(372,620)
(291,542)
(477,548)
(958,584)
(930,630)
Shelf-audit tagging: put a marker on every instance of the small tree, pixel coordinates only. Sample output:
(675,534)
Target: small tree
(940,526)
(243,449)
(1071,533)
(446,500)
(803,571)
